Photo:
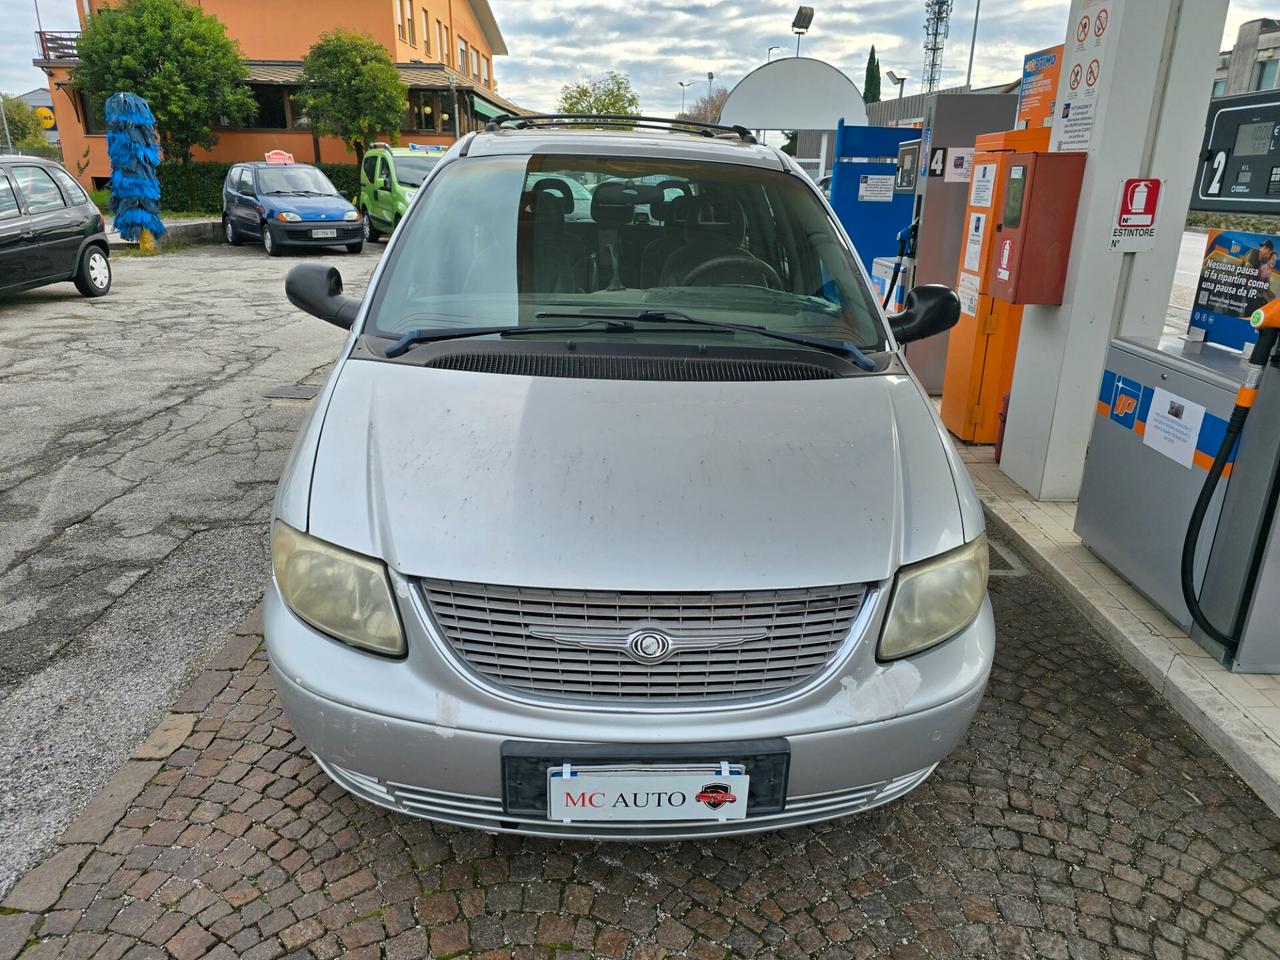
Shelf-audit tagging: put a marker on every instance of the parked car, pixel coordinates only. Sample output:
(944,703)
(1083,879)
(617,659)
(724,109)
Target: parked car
(50,231)
(625,529)
(389,178)
(287,205)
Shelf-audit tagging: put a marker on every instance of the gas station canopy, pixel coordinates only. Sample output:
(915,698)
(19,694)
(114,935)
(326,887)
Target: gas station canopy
(794,93)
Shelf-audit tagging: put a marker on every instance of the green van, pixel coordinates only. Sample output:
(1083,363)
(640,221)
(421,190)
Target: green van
(389,177)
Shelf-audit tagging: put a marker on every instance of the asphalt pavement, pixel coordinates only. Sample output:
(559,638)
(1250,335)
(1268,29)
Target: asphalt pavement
(137,467)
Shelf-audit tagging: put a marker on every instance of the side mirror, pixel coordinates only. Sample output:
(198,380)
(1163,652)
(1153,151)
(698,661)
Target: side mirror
(386,182)
(317,289)
(930,308)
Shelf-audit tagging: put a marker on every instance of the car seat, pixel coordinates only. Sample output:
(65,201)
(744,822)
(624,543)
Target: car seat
(716,228)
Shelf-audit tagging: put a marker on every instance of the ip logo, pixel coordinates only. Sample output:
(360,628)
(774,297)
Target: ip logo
(1124,402)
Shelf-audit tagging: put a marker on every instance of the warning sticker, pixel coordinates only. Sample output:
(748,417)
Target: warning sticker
(876,187)
(1085,61)
(973,241)
(968,293)
(984,182)
(1137,208)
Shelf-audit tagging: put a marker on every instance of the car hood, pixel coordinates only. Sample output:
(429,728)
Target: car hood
(312,208)
(632,485)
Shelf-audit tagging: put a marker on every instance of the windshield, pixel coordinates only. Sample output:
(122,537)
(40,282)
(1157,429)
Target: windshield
(291,179)
(715,241)
(411,171)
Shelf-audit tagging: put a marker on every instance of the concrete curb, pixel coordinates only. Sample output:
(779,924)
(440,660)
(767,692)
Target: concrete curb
(1234,736)
(190,231)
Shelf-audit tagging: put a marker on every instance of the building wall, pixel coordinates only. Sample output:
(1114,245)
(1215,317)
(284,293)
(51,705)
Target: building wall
(1253,63)
(271,30)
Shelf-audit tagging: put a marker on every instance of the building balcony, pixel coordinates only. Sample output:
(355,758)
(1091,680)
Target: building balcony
(57,44)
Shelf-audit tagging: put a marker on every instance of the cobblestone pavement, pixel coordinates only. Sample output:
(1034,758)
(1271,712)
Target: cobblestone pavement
(138,461)
(1080,818)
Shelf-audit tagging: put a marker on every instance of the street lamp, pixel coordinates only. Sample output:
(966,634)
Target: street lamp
(710,76)
(769,56)
(684,85)
(973,42)
(900,81)
(800,25)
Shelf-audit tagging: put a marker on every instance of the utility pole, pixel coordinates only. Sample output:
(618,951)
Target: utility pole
(7,139)
(973,42)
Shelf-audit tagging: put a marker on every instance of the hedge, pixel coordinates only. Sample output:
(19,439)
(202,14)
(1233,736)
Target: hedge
(207,179)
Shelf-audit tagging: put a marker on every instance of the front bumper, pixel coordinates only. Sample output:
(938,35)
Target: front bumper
(299,234)
(434,748)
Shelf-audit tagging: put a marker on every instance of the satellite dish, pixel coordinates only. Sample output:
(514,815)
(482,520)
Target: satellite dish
(794,93)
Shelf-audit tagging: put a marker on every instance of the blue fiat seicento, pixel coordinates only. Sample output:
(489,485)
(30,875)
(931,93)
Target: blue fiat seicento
(287,205)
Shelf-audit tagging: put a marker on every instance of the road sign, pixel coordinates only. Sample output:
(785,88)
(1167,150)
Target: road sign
(1137,210)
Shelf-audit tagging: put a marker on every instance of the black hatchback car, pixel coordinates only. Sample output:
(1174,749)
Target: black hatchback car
(50,231)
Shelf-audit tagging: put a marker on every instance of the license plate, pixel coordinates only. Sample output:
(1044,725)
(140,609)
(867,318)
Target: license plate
(647,793)
(322,234)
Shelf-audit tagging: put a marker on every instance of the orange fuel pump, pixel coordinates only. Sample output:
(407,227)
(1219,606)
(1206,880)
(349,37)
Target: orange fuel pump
(984,344)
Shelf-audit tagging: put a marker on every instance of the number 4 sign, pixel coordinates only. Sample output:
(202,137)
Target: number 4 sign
(1137,210)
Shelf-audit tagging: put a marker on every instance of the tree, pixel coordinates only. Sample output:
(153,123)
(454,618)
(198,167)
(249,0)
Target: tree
(351,90)
(789,138)
(176,57)
(611,94)
(24,125)
(871,86)
(707,107)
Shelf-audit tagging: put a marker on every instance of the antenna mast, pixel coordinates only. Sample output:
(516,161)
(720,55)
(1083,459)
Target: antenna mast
(937,25)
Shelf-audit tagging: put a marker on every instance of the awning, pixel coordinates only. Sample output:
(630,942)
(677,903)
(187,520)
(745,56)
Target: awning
(487,110)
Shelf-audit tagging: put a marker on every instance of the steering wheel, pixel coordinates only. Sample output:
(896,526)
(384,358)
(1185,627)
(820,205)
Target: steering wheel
(734,259)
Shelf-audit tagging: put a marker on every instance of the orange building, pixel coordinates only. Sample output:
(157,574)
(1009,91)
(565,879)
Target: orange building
(444,50)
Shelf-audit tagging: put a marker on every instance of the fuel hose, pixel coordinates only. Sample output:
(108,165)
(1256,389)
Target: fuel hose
(1267,322)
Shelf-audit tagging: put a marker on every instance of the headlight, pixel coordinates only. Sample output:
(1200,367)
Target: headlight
(341,593)
(288,216)
(935,599)
(351,215)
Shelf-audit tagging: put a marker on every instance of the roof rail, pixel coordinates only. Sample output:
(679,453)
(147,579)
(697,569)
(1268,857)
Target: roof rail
(697,127)
(379,143)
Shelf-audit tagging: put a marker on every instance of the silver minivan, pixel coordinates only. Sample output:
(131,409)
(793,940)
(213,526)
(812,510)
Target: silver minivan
(625,526)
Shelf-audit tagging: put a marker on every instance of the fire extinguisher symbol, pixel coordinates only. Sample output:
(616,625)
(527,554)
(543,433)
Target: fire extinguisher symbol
(1139,200)
(1138,197)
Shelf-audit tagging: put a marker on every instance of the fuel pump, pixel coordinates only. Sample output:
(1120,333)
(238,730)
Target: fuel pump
(906,251)
(1251,546)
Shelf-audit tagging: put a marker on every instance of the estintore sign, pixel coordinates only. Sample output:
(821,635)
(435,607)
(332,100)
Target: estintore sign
(1080,99)
(1137,209)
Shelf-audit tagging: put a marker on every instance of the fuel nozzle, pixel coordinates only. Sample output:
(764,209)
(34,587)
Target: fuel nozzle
(1267,316)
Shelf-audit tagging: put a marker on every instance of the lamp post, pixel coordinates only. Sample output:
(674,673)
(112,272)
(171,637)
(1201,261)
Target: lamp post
(901,81)
(684,85)
(710,76)
(800,25)
(769,56)
(973,42)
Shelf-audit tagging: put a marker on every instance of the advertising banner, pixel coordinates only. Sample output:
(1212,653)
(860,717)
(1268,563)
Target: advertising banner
(1237,276)
(1039,86)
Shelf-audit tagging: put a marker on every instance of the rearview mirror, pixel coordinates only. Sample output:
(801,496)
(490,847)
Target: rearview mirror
(931,308)
(317,289)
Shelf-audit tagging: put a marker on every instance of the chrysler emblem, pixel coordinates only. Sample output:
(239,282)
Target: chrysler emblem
(647,645)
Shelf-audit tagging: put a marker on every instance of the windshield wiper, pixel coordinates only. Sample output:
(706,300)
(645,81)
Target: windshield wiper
(844,348)
(414,337)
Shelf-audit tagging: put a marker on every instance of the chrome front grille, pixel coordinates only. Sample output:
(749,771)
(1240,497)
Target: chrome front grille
(507,636)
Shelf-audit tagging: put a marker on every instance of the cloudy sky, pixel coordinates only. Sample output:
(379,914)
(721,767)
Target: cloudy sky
(661,42)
